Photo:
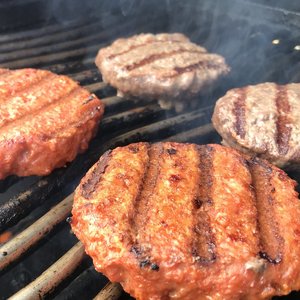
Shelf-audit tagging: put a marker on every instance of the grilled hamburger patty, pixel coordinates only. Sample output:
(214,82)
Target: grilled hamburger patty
(182,221)
(45,120)
(262,119)
(163,66)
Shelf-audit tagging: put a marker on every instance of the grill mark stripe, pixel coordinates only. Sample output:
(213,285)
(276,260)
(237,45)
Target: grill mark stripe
(137,219)
(142,45)
(283,131)
(29,86)
(41,109)
(239,110)
(203,246)
(137,200)
(157,56)
(270,240)
(28,83)
(91,183)
(204,64)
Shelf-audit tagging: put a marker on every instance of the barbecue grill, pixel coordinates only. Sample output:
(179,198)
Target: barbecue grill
(39,255)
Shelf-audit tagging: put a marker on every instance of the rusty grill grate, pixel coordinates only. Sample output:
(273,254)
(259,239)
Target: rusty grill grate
(43,259)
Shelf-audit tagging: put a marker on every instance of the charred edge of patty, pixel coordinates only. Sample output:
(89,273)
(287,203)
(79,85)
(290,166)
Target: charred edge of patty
(91,183)
(203,243)
(283,130)
(270,241)
(89,99)
(171,151)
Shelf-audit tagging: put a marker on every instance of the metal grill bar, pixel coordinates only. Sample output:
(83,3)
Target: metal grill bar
(89,279)
(94,87)
(162,129)
(53,276)
(38,32)
(194,134)
(87,76)
(111,291)
(72,67)
(46,58)
(17,246)
(51,38)
(49,55)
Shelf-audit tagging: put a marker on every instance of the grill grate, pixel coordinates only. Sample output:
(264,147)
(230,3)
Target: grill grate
(43,259)
(73,54)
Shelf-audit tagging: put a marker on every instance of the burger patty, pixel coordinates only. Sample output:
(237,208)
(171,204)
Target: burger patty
(45,120)
(163,66)
(262,119)
(182,221)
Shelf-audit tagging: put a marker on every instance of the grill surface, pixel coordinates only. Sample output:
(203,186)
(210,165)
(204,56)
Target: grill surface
(255,45)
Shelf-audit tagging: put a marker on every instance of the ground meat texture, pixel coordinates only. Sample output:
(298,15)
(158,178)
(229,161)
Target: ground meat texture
(45,121)
(168,67)
(262,119)
(182,221)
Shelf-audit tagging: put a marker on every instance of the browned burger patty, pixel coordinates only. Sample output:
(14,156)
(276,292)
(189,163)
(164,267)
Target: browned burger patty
(182,221)
(163,66)
(45,120)
(262,119)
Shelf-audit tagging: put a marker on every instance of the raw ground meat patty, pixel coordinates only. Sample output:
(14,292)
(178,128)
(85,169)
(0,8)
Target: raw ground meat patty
(182,221)
(45,121)
(262,119)
(165,66)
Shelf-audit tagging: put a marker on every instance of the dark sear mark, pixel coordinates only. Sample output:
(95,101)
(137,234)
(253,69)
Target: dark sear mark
(171,151)
(239,111)
(133,148)
(144,261)
(174,178)
(136,202)
(91,183)
(275,261)
(154,267)
(283,130)
(197,203)
(203,64)
(157,56)
(203,246)
(136,250)
(137,217)
(270,240)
